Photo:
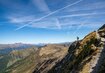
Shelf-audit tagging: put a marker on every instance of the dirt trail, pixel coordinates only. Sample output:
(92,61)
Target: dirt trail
(95,63)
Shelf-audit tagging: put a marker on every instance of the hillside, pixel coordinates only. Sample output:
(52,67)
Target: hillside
(40,60)
(85,56)
(82,56)
(6,60)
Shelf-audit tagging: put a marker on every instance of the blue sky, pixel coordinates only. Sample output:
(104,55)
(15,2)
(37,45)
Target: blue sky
(49,21)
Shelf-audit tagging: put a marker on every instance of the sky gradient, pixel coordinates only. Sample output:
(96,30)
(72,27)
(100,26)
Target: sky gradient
(49,21)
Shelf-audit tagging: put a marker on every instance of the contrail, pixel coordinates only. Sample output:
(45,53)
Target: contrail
(41,4)
(49,14)
(76,15)
(21,27)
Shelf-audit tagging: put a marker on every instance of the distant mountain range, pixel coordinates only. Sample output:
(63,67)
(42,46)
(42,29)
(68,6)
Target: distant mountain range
(7,48)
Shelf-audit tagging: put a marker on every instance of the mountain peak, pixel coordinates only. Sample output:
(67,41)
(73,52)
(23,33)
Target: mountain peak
(103,27)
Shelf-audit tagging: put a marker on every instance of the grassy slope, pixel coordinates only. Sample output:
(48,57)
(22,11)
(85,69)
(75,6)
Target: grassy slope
(79,55)
(3,63)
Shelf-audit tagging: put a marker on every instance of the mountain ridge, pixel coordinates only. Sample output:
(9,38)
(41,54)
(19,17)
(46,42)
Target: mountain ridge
(84,56)
(81,56)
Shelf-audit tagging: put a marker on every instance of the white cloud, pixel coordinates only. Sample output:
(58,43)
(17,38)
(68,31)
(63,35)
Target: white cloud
(21,19)
(46,8)
(47,23)
(88,6)
(83,14)
(58,24)
(53,22)
(42,6)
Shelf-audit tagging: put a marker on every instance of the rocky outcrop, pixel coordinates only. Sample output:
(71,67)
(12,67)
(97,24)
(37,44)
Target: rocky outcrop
(85,56)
